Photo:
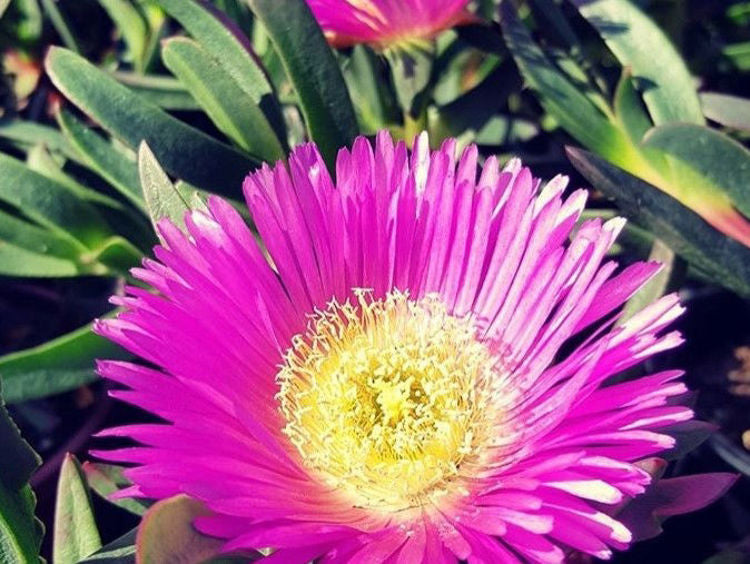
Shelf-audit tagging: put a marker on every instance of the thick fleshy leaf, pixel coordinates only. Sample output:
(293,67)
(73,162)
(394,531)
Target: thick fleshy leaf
(50,204)
(233,111)
(673,496)
(629,110)
(411,70)
(559,96)
(313,70)
(162,90)
(40,160)
(131,24)
(61,25)
(106,479)
(373,101)
(666,84)
(119,551)
(721,258)
(163,199)
(689,436)
(76,535)
(166,533)
(730,111)
(18,232)
(18,261)
(103,158)
(183,150)
(228,45)
(27,134)
(704,163)
(61,364)
(20,531)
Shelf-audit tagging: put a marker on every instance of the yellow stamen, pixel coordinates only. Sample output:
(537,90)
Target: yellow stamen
(386,399)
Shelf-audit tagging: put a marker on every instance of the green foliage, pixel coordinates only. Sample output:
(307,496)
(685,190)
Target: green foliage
(20,531)
(76,535)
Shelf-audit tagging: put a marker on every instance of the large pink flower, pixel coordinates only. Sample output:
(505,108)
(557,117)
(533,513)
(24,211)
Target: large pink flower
(385,23)
(415,368)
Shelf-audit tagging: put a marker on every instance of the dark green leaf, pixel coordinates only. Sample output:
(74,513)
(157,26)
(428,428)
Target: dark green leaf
(103,158)
(20,532)
(183,150)
(629,110)
(60,25)
(131,24)
(120,551)
(411,70)
(164,91)
(373,101)
(659,70)
(730,111)
(233,112)
(313,70)
(163,200)
(19,261)
(27,134)
(658,285)
(61,364)
(106,479)
(723,259)
(569,106)
(76,535)
(49,203)
(40,160)
(704,163)
(228,45)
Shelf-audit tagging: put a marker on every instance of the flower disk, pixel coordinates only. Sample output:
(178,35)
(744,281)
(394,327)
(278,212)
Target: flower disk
(387,398)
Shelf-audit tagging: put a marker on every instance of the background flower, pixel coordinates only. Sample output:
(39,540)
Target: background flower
(386,23)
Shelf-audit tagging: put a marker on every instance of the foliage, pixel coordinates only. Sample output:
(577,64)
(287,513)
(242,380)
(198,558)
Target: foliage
(99,140)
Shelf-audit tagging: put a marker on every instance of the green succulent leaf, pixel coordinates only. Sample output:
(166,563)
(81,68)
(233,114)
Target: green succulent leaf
(183,150)
(50,204)
(20,531)
(119,551)
(76,535)
(101,157)
(559,96)
(721,258)
(411,70)
(729,111)
(62,364)
(313,71)
(133,27)
(233,112)
(61,25)
(629,111)
(227,44)
(667,87)
(106,479)
(27,134)
(164,91)
(19,261)
(163,199)
(704,161)
(40,160)
(373,102)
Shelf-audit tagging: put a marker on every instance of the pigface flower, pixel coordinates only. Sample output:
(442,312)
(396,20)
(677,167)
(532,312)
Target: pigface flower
(415,367)
(386,23)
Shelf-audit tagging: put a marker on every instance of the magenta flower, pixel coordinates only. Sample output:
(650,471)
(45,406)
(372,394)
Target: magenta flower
(386,23)
(415,371)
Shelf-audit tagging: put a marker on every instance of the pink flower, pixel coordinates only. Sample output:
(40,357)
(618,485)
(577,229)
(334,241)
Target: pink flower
(415,368)
(386,23)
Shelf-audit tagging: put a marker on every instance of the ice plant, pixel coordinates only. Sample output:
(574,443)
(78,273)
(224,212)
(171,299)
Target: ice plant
(386,23)
(416,367)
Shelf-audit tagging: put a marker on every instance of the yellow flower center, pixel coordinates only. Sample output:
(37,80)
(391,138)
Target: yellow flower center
(387,399)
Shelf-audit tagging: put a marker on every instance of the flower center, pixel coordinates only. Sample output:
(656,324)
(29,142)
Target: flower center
(386,399)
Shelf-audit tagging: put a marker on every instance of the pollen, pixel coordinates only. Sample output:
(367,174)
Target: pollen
(388,400)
